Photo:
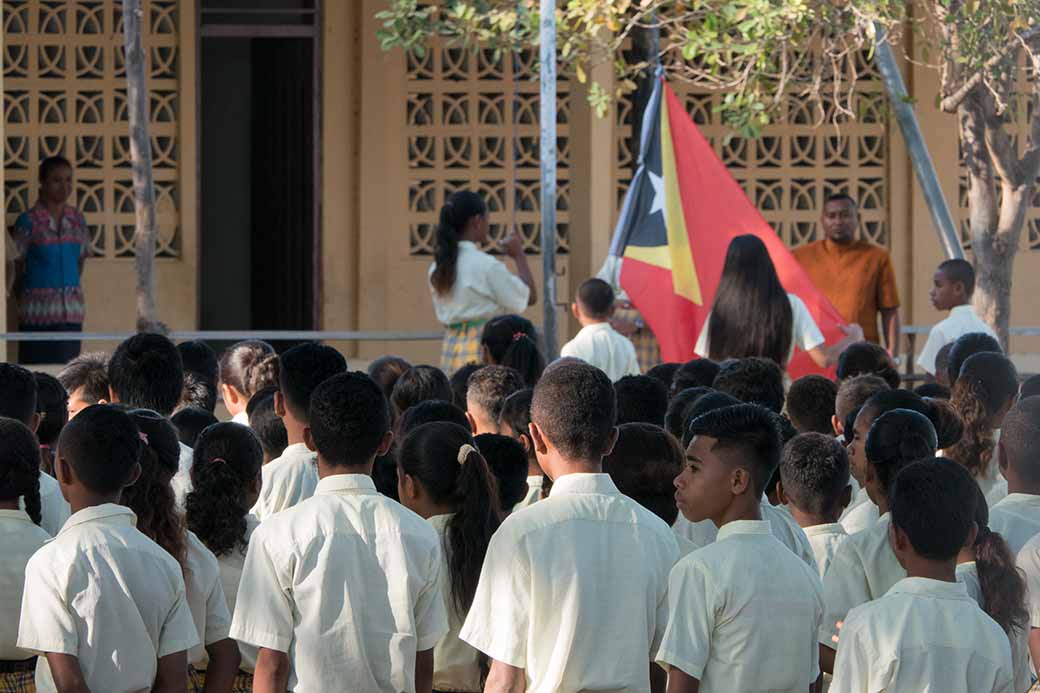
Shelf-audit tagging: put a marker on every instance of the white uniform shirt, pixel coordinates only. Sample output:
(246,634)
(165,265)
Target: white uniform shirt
(483,288)
(923,635)
(54,509)
(993,484)
(743,615)
(602,346)
(456,665)
(241,418)
(864,516)
(1016,518)
(110,596)
(347,583)
(20,539)
(700,534)
(961,321)
(231,565)
(534,492)
(859,494)
(181,481)
(574,589)
(209,609)
(1028,562)
(785,529)
(288,480)
(805,333)
(863,569)
(825,540)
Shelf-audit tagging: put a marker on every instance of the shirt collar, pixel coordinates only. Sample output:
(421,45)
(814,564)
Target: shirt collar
(731,529)
(534,482)
(819,530)
(19,515)
(346,483)
(467,245)
(597,327)
(1019,499)
(106,513)
(966,309)
(930,588)
(296,450)
(440,522)
(583,483)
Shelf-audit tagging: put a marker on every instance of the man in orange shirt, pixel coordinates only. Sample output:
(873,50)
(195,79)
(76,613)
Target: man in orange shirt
(856,275)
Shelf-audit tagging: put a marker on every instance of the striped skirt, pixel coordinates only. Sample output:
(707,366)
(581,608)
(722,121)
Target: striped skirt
(648,351)
(243,682)
(18,682)
(461,345)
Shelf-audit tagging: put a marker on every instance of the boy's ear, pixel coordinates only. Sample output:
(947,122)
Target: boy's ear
(525,440)
(408,486)
(135,474)
(112,395)
(837,425)
(472,422)
(63,471)
(575,311)
(899,540)
(845,498)
(279,404)
(384,444)
(37,418)
(612,442)
(780,493)
(740,481)
(308,439)
(1002,459)
(538,440)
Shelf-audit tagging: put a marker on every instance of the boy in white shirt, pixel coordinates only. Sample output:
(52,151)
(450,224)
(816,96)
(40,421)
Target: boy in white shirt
(598,343)
(293,477)
(952,287)
(486,393)
(103,604)
(742,612)
(515,422)
(926,632)
(814,485)
(1017,516)
(573,592)
(341,591)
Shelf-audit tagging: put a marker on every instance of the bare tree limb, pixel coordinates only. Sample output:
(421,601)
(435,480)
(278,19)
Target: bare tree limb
(950,103)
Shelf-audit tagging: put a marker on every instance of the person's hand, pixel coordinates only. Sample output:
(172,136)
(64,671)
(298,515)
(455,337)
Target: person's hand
(512,245)
(853,332)
(625,327)
(835,638)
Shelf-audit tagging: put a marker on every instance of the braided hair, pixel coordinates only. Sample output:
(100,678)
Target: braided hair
(20,466)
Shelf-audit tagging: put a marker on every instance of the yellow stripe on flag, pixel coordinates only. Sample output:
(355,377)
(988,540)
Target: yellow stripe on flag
(658,255)
(684,274)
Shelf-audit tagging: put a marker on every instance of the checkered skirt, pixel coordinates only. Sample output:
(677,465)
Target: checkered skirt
(461,345)
(243,682)
(18,682)
(648,351)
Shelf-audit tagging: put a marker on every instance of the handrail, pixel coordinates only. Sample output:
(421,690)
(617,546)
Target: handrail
(237,335)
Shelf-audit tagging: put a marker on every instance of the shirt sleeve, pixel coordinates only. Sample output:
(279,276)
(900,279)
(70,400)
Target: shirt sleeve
(46,623)
(431,616)
(692,603)
(22,234)
(807,333)
(218,618)
(263,609)
(888,293)
(178,631)
(661,621)
(935,342)
(852,670)
(507,289)
(1029,563)
(844,588)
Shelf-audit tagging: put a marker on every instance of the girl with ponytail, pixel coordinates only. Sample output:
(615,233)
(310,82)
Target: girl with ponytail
(245,369)
(511,340)
(443,478)
(469,286)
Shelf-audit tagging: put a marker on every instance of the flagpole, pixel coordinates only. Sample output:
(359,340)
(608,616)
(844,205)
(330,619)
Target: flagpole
(547,123)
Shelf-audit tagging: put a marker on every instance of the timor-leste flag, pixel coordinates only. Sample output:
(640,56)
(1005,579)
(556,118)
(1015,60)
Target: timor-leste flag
(680,213)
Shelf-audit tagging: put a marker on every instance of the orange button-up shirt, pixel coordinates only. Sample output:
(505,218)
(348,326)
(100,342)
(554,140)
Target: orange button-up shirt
(857,278)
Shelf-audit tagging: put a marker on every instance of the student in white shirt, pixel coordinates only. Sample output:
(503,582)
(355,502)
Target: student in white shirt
(810,404)
(952,287)
(342,591)
(743,611)
(573,592)
(814,485)
(226,482)
(293,477)
(926,632)
(1017,516)
(85,379)
(443,478)
(21,536)
(486,395)
(104,605)
(245,369)
(1028,562)
(853,393)
(515,422)
(598,343)
(469,286)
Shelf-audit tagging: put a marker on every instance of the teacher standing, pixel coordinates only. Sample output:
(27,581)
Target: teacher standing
(469,286)
(52,242)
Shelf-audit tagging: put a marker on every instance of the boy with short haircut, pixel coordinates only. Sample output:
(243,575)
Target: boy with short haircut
(266,424)
(104,605)
(486,392)
(952,286)
(515,421)
(810,404)
(340,592)
(293,477)
(745,600)
(641,399)
(852,394)
(597,628)
(507,460)
(201,375)
(753,381)
(1017,516)
(926,632)
(85,378)
(598,343)
(814,485)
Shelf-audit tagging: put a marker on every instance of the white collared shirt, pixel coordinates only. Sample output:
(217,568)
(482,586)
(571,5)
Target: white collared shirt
(347,583)
(805,333)
(231,565)
(534,492)
(743,614)
(1028,561)
(859,494)
(287,481)
(863,515)
(54,509)
(574,589)
(863,569)
(20,539)
(181,481)
(961,321)
(699,534)
(1016,518)
(784,527)
(922,635)
(456,665)
(110,596)
(484,287)
(241,418)
(209,609)
(602,346)
(825,540)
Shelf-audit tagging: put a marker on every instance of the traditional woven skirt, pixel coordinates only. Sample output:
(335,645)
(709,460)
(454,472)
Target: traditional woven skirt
(461,345)
(18,682)
(648,351)
(243,682)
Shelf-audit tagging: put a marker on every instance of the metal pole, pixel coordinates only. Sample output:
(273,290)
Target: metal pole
(919,156)
(547,123)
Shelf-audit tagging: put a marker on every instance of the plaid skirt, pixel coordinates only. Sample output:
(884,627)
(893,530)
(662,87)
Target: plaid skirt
(648,351)
(461,345)
(243,682)
(18,682)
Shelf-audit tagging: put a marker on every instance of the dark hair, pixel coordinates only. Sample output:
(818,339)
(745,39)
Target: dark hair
(841,197)
(848,434)
(151,497)
(867,358)
(706,403)
(641,399)
(854,392)
(508,463)
(17,393)
(490,386)
(966,346)
(266,424)
(753,381)
(678,414)
(455,214)
(933,502)
(896,439)
(511,340)
(302,369)
(146,371)
(932,391)
(596,298)
(958,270)
(53,403)
(430,411)
(102,444)
(1003,588)
(643,465)
(190,422)
(199,357)
(815,472)
(384,476)
(665,372)
(459,382)
(199,392)
(349,419)
(942,362)
(575,407)
(432,455)
(750,432)
(250,366)
(946,430)
(385,371)
(87,371)
(1020,438)
(810,404)
(420,384)
(20,466)
(988,381)
(749,286)
(1030,387)
(695,373)
(224,471)
(516,411)
(52,163)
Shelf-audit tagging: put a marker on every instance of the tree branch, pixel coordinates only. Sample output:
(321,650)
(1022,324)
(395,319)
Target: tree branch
(950,103)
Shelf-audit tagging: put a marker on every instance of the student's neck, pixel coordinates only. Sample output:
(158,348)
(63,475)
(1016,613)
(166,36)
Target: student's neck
(810,519)
(743,507)
(79,499)
(1017,485)
(586,322)
(293,429)
(967,555)
(563,467)
(944,571)
(327,469)
(966,302)
(482,426)
(532,466)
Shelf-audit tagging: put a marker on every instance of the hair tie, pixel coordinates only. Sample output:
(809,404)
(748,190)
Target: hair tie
(218,459)
(144,437)
(517,336)
(464,452)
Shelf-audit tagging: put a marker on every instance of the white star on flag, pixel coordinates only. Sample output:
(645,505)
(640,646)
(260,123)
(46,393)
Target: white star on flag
(658,183)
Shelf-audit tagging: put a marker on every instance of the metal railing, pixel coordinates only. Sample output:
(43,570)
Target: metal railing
(236,335)
(910,334)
